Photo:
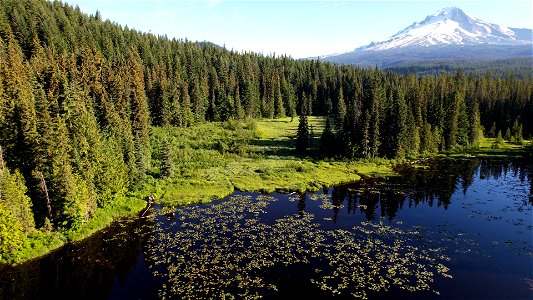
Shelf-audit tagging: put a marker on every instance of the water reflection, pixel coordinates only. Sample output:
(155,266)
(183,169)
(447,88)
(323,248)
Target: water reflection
(86,270)
(115,263)
(433,185)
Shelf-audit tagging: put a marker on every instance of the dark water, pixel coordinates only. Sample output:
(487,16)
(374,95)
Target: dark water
(466,219)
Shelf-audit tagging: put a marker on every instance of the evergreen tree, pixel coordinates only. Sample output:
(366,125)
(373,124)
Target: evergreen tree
(508,134)
(499,138)
(139,115)
(516,135)
(167,161)
(365,143)
(288,97)
(303,137)
(279,107)
(341,110)
(13,198)
(327,140)
(399,127)
(374,133)
(12,236)
(239,112)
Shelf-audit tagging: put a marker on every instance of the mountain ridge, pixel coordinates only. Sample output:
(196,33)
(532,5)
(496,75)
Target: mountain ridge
(447,34)
(452,26)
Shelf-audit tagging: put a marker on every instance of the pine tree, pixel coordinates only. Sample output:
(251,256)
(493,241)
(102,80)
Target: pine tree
(279,107)
(62,183)
(11,234)
(499,139)
(188,118)
(20,132)
(239,112)
(375,121)
(288,97)
(327,140)
(139,115)
(13,197)
(167,161)
(341,110)
(508,134)
(365,143)
(399,126)
(516,133)
(199,100)
(303,137)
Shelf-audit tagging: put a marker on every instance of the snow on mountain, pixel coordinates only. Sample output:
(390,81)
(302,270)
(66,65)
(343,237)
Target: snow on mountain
(451,26)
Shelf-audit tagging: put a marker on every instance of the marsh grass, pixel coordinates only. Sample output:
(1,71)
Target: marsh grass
(490,147)
(212,160)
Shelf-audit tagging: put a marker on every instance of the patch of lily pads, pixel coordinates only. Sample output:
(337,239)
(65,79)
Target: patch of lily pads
(225,250)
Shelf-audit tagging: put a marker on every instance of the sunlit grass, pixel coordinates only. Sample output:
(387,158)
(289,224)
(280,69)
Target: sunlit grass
(212,160)
(489,147)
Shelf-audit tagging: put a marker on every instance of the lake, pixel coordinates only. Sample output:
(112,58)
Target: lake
(451,228)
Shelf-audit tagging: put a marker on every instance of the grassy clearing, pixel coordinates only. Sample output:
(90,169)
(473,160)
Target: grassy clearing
(212,160)
(489,147)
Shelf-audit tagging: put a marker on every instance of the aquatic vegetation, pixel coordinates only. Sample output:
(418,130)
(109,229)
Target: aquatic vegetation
(227,250)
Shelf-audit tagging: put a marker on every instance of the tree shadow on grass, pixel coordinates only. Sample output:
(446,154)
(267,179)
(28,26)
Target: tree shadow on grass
(284,147)
(275,147)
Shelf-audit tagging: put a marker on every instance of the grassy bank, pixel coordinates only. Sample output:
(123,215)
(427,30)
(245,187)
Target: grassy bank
(491,148)
(42,241)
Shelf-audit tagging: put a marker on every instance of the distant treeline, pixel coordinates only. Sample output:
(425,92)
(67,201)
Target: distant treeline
(78,96)
(518,67)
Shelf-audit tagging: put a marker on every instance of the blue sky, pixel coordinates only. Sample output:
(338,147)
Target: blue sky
(296,28)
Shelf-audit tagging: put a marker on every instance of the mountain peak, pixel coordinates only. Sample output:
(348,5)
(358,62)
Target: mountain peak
(449,11)
(452,26)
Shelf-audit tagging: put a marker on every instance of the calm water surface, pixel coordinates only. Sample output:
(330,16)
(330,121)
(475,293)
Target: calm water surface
(460,229)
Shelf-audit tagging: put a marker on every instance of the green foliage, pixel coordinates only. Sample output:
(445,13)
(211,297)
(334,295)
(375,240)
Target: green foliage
(327,140)
(167,161)
(16,217)
(508,135)
(516,135)
(11,234)
(14,199)
(498,143)
(302,135)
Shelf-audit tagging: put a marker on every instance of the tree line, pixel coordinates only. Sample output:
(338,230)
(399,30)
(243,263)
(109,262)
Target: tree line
(78,96)
(377,114)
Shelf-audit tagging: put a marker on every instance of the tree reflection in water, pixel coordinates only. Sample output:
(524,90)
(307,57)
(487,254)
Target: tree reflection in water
(433,185)
(114,263)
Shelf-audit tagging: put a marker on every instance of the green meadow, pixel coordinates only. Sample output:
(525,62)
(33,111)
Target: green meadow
(212,160)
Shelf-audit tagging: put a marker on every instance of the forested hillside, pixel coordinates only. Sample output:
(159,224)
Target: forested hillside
(78,96)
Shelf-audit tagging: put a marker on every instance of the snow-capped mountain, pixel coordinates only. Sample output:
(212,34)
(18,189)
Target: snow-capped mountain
(451,26)
(447,35)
